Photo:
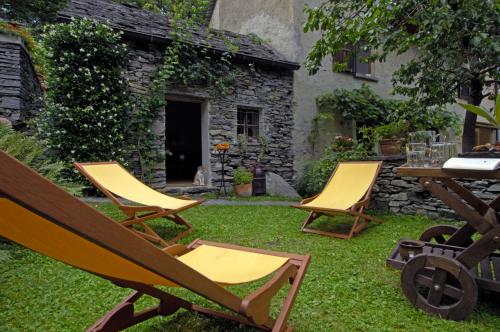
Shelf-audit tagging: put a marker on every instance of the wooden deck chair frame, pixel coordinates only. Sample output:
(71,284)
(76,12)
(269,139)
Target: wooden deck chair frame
(26,189)
(138,215)
(361,219)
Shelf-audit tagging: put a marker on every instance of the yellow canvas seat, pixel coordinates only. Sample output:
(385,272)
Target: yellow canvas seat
(115,181)
(347,192)
(38,215)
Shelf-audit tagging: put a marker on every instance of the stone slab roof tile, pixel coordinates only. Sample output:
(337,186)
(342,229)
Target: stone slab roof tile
(138,23)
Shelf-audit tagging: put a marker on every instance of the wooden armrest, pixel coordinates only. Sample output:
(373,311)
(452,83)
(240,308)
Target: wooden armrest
(256,305)
(365,201)
(131,210)
(185,197)
(176,249)
(307,200)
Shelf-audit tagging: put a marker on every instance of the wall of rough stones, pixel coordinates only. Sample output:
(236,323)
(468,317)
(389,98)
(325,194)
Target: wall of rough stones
(405,195)
(20,89)
(266,89)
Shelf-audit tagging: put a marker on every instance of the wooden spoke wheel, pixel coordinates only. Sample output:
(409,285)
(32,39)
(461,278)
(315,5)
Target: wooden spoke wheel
(440,286)
(440,234)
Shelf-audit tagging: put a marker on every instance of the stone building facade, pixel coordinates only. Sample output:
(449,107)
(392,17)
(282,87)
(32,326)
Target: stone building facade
(263,89)
(20,89)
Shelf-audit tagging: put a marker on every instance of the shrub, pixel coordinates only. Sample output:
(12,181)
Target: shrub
(317,173)
(342,144)
(242,176)
(390,130)
(368,109)
(34,153)
(85,113)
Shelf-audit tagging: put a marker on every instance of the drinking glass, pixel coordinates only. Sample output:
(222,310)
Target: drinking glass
(427,137)
(451,149)
(415,154)
(439,154)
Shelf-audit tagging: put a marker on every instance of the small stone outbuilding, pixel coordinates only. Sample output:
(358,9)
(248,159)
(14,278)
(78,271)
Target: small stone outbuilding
(196,118)
(20,89)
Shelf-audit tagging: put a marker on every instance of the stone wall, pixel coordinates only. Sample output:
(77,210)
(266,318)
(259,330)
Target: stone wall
(20,89)
(262,88)
(405,195)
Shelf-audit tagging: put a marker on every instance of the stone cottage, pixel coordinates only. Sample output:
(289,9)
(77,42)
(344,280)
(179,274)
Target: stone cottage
(20,89)
(259,104)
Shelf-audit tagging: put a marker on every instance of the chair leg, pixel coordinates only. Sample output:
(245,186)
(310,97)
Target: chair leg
(312,216)
(360,222)
(123,315)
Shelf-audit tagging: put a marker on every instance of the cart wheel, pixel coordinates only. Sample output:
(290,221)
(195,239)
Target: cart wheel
(440,286)
(439,234)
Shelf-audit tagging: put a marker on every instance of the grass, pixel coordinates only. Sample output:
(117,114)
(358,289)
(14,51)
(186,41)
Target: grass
(347,287)
(263,198)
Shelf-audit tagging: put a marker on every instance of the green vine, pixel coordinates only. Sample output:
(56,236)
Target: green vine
(183,64)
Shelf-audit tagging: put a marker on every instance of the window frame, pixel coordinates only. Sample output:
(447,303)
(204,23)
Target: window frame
(251,119)
(354,63)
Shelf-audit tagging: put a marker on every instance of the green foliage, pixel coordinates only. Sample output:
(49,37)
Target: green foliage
(368,109)
(188,10)
(494,118)
(342,144)
(457,41)
(367,138)
(35,154)
(242,176)
(317,173)
(263,148)
(31,11)
(361,105)
(195,66)
(183,64)
(86,107)
(390,130)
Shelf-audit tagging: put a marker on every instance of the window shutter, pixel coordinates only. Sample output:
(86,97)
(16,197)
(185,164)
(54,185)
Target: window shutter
(362,67)
(343,56)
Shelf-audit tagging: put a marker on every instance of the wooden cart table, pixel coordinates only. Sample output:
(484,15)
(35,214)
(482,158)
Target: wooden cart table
(444,278)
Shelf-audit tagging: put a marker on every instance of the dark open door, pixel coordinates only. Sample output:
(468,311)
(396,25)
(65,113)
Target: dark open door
(183,140)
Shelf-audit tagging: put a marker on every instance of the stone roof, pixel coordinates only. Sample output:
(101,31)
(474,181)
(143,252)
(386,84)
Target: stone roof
(148,26)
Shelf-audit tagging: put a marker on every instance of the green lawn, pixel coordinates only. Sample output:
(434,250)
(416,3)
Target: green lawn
(347,287)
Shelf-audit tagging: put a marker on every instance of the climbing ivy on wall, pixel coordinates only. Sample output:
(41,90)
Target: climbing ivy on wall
(183,64)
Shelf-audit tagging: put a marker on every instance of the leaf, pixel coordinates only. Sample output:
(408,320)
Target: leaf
(481,112)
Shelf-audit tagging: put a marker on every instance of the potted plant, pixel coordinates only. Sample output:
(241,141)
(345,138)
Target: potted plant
(242,181)
(389,137)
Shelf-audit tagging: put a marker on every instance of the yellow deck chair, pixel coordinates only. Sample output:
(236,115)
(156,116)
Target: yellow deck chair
(115,181)
(39,215)
(347,192)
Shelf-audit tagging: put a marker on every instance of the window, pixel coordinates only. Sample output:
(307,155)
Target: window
(464,92)
(354,56)
(248,123)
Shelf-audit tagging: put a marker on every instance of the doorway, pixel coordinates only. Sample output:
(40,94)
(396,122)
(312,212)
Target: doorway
(183,140)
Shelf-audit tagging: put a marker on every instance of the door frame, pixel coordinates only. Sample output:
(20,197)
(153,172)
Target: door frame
(205,125)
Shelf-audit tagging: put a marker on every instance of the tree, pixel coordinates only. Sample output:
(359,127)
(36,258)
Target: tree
(457,42)
(30,11)
(191,10)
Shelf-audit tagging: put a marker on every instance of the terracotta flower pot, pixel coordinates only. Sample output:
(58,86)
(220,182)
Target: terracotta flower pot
(243,190)
(390,147)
